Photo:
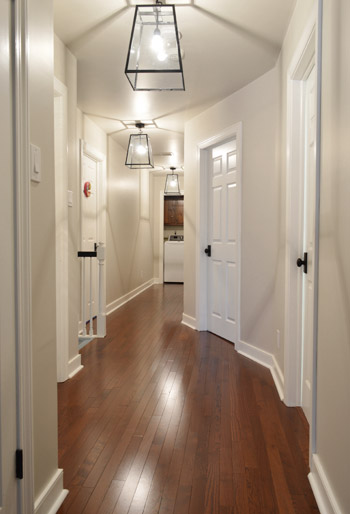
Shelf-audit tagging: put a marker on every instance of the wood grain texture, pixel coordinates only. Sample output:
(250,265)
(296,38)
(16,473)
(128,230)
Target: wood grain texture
(164,419)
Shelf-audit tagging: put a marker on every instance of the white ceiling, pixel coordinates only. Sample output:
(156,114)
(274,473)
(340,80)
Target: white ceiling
(227,44)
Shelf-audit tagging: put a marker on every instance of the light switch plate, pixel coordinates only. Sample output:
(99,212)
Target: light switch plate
(70,198)
(35,163)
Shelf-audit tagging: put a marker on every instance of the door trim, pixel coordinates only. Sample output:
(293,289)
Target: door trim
(308,49)
(19,46)
(234,131)
(61,189)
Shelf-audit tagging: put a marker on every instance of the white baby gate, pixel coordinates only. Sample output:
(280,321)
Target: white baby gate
(98,254)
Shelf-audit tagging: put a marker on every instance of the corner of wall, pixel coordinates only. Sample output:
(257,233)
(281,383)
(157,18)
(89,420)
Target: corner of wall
(267,360)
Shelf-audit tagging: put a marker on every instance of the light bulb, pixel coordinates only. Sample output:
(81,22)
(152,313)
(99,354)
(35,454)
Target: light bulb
(141,150)
(157,41)
(173,182)
(161,56)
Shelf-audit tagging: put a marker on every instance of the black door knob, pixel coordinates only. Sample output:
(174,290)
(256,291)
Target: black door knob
(208,251)
(301,262)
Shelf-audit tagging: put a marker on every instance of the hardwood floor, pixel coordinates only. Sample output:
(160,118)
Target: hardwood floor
(164,419)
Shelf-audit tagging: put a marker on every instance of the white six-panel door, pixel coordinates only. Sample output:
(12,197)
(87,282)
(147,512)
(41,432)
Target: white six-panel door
(8,418)
(223,236)
(309,242)
(89,228)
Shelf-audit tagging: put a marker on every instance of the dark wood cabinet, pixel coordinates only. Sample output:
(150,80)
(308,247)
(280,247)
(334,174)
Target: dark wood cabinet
(174,210)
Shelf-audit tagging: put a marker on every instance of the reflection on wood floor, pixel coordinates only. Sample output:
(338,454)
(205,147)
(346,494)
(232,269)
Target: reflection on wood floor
(166,419)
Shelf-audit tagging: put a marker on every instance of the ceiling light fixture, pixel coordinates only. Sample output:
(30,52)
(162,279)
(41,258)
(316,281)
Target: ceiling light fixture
(139,154)
(172,186)
(154,60)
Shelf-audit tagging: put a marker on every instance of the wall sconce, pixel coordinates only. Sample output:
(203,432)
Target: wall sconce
(172,186)
(139,154)
(154,58)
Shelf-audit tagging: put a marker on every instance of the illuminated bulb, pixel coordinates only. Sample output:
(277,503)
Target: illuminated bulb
(157,41)
(141,150)
(161,56)
(173,182)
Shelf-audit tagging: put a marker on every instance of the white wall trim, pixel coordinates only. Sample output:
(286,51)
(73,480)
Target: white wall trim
(53,495)
(113,306)
(61,223)
(267,360)
(189,321)
(322,489)
(74,366)
(233,131)
(19,42)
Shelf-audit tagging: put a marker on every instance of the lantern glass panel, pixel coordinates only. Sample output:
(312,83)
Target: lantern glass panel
(154,59)
(139,153)
(172,186)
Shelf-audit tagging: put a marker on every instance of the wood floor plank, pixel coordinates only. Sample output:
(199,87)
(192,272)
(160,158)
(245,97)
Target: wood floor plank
(167,420)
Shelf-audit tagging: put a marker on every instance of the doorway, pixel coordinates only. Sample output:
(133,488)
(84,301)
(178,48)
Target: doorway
(219,245)
(92,229)
(302,188)
(307,262)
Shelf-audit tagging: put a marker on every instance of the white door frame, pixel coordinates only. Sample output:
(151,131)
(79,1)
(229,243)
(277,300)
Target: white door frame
(308,50)
(100,159)
(23,257)
(61,208)
(234,131)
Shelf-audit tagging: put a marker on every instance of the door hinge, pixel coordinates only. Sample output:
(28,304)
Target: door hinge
(19,464)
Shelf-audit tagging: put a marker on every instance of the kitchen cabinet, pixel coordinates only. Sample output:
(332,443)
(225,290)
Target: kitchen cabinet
(174,210)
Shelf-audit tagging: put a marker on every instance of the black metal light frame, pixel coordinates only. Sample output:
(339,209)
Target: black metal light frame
(133,161)
(137,75)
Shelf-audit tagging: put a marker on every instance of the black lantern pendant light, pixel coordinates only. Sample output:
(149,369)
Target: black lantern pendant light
(172,186)
(154,59)
(139,154)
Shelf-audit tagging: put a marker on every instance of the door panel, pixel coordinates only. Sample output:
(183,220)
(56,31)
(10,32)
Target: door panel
(223,230)
(89,230)
(309,241)
(8,483)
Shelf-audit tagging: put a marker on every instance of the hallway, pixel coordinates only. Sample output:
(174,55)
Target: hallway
(166,419)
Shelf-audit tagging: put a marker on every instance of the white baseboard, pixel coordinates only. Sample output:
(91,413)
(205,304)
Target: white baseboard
(321,488)
(158,281)
(265,359)
(189,321)
(74,366)
(111,307)
(278,378)
(52,496)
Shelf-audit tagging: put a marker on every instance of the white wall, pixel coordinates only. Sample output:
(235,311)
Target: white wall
(43,245)
(129,240)
(256,107)
(128,211)
(333,363)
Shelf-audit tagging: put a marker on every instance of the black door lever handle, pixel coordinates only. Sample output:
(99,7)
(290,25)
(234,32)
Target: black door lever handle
(208,251)
(301,262)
